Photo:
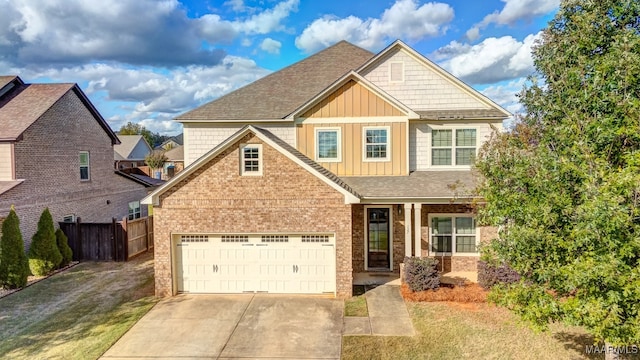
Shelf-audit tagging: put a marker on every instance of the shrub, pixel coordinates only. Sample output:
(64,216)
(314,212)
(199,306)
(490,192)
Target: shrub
(44,255)
(490,274)
(14,267)
(63,247)
(421,273)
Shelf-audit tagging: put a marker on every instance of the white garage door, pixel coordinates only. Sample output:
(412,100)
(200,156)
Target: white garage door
(288,264)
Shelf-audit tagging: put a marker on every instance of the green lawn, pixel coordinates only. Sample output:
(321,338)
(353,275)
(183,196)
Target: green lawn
(461,331)
(76,314)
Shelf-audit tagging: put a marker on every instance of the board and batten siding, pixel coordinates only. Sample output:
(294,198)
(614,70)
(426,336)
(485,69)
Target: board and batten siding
(352,100)
(352,141)
(421,88)
(6,162)
(420,139)
(199,138)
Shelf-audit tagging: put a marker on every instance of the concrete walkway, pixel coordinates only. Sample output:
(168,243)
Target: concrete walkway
(388,315)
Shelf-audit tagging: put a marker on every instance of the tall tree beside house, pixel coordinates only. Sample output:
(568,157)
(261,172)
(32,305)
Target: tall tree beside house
(154,139)
(44,255)
(14,267)
(155,159)
(63,246)
(564,185)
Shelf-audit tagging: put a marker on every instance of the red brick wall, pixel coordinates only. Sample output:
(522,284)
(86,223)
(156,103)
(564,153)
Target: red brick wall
(287,198)
(47,159)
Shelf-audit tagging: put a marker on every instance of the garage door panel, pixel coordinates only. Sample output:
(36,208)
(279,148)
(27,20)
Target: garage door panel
(256,263)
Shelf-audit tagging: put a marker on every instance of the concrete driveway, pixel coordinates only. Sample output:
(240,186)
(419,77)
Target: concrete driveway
(235,326)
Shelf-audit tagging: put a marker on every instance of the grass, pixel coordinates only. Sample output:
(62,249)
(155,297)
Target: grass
(356,306)
(447,330)
(78,313)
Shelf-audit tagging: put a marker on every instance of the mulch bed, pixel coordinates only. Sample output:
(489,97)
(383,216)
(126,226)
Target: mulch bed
(468,293)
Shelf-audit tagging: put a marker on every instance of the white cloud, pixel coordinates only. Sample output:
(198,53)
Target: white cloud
(268,20)
(271,46)
(404,19)
(492,60)
(506,95)
(512,12)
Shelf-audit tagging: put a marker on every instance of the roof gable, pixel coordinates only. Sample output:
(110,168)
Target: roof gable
(132,147)
(352,96)
(277,95)
(267,137)
(427,88)
(24,104)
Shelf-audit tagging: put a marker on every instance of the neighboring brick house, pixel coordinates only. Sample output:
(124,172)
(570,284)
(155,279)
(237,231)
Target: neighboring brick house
(56,151)
(131,152)
(342,163)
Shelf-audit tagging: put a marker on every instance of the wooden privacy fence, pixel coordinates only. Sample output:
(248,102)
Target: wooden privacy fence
(114,241)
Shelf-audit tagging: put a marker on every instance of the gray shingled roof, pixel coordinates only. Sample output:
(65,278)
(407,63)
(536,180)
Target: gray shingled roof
(19,112)
(5,79)
(461,114)
(293,151)
(419,184)
(277,95)
(128,148)
(175,154)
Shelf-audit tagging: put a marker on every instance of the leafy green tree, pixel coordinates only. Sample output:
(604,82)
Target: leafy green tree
(154,139)
(44,255)
(564,185)
(63,246)
(155,159)
(14,267)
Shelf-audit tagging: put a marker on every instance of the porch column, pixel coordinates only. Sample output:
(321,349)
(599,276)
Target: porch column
(417,224)
(407,229)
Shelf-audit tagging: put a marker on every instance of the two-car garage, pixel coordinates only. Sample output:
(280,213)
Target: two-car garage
(237,263)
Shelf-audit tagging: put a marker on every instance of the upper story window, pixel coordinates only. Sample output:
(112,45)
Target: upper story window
(84,165)
(453,147)
(251,159)
(376,143)
(454,234)
(328,144)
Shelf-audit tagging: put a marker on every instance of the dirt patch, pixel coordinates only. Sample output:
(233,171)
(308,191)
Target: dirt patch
(471,293)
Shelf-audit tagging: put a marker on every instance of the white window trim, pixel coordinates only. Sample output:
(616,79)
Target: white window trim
(453,236)
(251,173)
(366,234)
(80,166)
(339,139)
(396,81)
(453,146)
(139,212)
(364,143)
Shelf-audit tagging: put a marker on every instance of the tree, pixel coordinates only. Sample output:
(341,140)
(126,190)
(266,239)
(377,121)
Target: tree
(564,185)
(44,255)
(63,246)
(154,139)
(14,267)
(155,159)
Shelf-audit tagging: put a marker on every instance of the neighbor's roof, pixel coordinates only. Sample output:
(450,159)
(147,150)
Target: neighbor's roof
(127,149)
(175,154)
(23,104)
(418,185)
(277,95)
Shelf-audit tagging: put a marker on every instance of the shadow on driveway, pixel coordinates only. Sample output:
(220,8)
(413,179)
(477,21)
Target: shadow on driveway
(235,326)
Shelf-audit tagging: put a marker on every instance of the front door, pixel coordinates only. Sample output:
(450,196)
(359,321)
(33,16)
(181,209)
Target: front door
(378,237)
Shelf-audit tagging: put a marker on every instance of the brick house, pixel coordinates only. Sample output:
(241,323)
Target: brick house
(56,151)
(340,164)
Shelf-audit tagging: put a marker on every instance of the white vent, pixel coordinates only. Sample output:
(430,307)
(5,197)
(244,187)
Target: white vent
(194,238)
(396,72)
(315,238)
(275,238)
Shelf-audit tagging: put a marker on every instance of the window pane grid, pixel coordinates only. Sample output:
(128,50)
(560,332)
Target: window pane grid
(251,159)
(376,143)
(449,230)
(443,148)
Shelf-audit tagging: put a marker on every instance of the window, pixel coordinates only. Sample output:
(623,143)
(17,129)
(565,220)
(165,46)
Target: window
(134,210)
(376,144)
(454,234)
(251,159)
(69,218)
(328,144)
(84,165)
(448,146)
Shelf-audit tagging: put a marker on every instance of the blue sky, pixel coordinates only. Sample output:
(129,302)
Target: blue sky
(148,61)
